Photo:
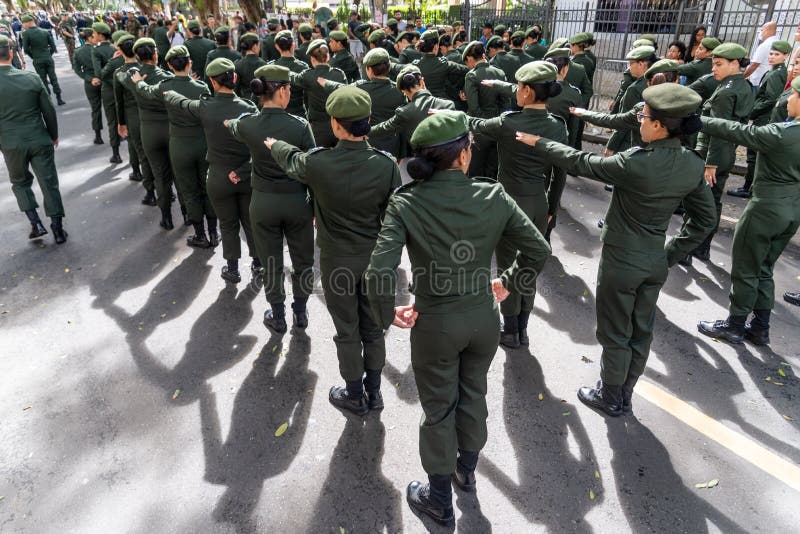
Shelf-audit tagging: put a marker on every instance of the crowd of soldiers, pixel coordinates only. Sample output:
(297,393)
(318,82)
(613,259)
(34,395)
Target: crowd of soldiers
(287,135)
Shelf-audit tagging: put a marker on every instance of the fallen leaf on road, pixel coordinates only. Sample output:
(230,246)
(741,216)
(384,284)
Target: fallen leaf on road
(788,418)
(585,292)
(163,315)
(768,379)
(341,530)
(274,349)
(66,270)
(281,429)
(713,483)
(175,395)
(597,474)
(584,359)
(591,495)
(701,485)
(781,372)
(566,413)
(28,407)
(541,397)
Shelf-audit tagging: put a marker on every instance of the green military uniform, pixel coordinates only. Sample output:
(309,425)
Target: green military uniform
(245,68)
(520,54)
(231,202)
(577,76)
(316,97)
(705,86)
(624,139)
(101,56)
(268,50)
(588,65)
(297,99)
(199,48)
(279,208)
(506,62)
(772,215)
(82,65)
(68,33)
(133,26)
(695,69)
(536,50)
(351,184)
(223,51)
(624,83)
(161,36)
(441,75)
(649,183)
(343,59)
(40,46)
(484,102)
(456,333)
(780,112)
(187,143)
(408,55)
(301,50)
(28,127)
(732,100)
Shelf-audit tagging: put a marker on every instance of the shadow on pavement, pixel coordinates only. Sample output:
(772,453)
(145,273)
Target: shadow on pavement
(561,290)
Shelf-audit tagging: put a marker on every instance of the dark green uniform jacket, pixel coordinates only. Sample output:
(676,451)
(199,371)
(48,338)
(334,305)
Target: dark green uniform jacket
(406,118)
(577,76)
(82,63)
(161,36)
(38,44)
(296,101)
(732,100)
(506,62)
(769,91)
(301,53)
(704,86)
(27,116)
(482,101)
(245,69)
(199,48)
(520,54)
(408,55)
(344,61)
(180,124)
(694,69)
(622,121)
(317,96)
(588,65)
(780,112)
(268,50)
(536,51)
(223,51)
(101,56)
(624,83)
(441,76)
(623,139)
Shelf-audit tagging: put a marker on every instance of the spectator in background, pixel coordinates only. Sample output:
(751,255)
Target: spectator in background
(759,65)
(676,51)
(418,27)
(698,35)
(401,24)
(262,28)
(488,32)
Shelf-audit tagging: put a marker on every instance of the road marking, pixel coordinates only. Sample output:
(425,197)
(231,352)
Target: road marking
(729,219)
(769,462)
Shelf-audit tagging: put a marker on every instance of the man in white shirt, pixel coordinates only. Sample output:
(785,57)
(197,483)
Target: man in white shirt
(759,65)
(401,24)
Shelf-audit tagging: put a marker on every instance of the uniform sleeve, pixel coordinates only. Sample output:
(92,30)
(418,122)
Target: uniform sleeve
(532,247)
(471,88)
(51,42)
(380,276)
(48,112)
(491,127)
(119,99)
(331,86)
(233,128)
(97,64)
(299,80)
(616,142)
(701,218)
(180,103)
(291,159)
(308,142)
(586,89)
(610,170)
(505,89)
(773,88)
(759,138)
(390,126)
(699,86)
(722,109)
(150,92)
(617,121)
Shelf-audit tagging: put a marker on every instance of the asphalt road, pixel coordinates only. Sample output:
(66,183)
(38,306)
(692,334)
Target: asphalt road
(139,393)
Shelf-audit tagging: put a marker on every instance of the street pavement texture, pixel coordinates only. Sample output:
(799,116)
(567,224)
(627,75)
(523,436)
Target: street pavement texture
(140,393)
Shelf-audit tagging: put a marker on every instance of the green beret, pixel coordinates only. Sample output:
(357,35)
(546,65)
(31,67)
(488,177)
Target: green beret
(557,52)
(391,22)
(273,20)
(458,23)
(536,72)
(672,99)
(640,53)
(144,41)
(642,42)
(710,43)
(332,23)
(796,84)
(101,27)
(407,69)
(177,51)
(662,65)
(249,37)
(124,37)
(316,43)
(305,27)
(492,40)
(219,66)
(4,41)
(558,43)
(117,34)
(350,103)
(221,29)
(782,46)
(518,34)
(26,18)
(467,50)
(439,129)
(430,35)
(499,29)
(284,33)
(193,24)
(338,35)
(272,73)
(376,35)
(578,38)
(649,37)
(730,51)
(530,31)
(590,35)
(375,56)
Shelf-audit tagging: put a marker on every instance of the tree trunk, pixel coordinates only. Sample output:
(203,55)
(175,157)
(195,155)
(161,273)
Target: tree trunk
(144,6)
(252,10)
(10,6)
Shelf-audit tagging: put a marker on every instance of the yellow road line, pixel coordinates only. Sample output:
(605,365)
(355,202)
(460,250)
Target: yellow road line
(769,462)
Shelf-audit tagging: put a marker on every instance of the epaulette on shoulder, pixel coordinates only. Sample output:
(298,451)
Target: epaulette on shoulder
(634,149)
(559,118)
(576,89)
(384,153)
(299,119)
(206,96)
(415,62)
(317,149)
(405,187)
(511,112)
(706,76)
(484,179)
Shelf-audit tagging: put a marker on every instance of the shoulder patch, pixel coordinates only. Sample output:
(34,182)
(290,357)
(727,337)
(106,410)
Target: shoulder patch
(406,187)
(576,89)
(559,118)
(484,179)
(299,119)
(634,149)
(503,114)
(206,96)
(384,153)
(318,149)
(415,62)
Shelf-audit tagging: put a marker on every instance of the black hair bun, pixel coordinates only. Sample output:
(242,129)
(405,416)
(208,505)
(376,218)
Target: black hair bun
(257,86)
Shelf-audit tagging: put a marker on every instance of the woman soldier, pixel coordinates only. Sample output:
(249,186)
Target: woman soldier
(732,100)
(523,175)
(639,59)
(285,45)
(247,65)
(649,183)
(279,206)
(780,112)
(769,221)
(228,182)
(451,225)
(351,184)
(187,145)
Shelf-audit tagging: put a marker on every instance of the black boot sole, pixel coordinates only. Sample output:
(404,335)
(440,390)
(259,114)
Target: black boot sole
(724,336)
(759,341)
(600,407)
(60,237)
(421,510)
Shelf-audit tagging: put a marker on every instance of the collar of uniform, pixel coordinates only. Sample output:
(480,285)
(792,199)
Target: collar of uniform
(324,67)
(222,47)
(4,68)
(482,65)
(449,175)
(271,111)
(225,95)
(732,77)
(669,142)
(420,93)
(351,145)
(535,112)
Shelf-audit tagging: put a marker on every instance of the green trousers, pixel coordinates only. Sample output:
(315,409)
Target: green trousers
(484,157)
(535,207)
(41,159)
(323,134)
(231,203)
(359,339)
(752,154)
(628,284)
(107,95)
(451,354)
(718,189)
(96,104)
(187,156)
(555,189)
(47,71)
(155,141)
(275,216)
(766,226)
(135,147)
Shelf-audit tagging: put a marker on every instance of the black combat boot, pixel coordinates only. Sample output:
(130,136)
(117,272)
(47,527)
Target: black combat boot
(59,234)
(627,394)
(601,223)
(166,219)
(757,330)
(730,330)
(522,322)
(37,228)
(256,270)
(149,198)
(199,239)
(740,192)
(686,261)
(703,252)
(350,398)
(230,272)
(275,318)
(115,157)
(213,235)
(509,337)
(186,221)
(434,499)
(607,399)
(300,313)
(135,176)
(792,298)
(372,385)
(59,100)
(464,477)
(98,139)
